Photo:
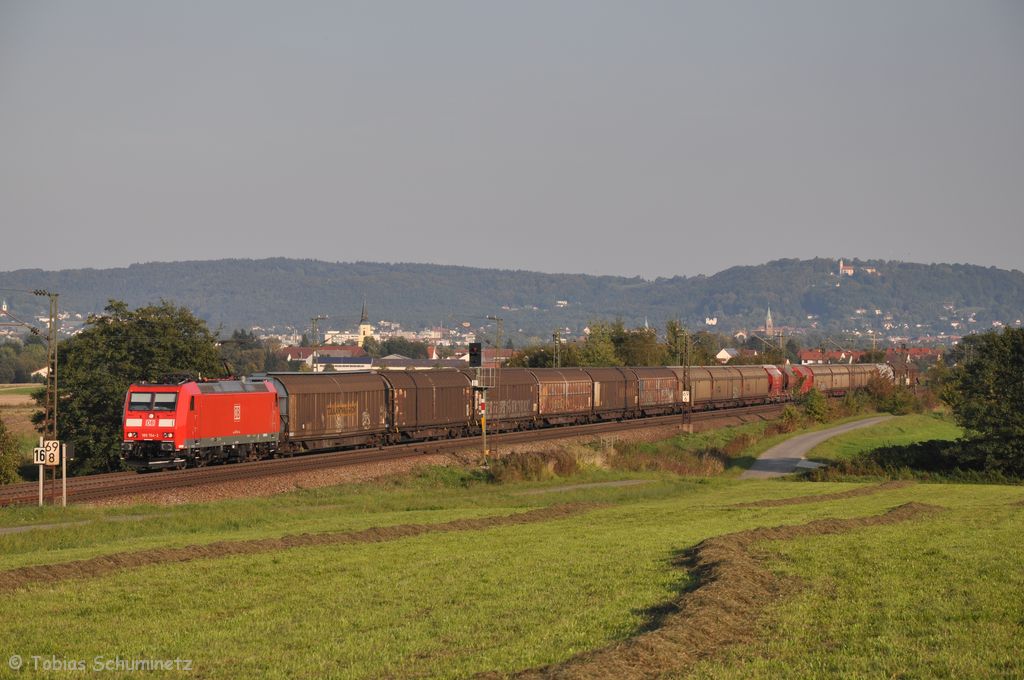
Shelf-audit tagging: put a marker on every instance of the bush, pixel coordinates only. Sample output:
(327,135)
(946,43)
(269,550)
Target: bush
(790,420)
(668,457)
(896,399)
(856,402)
(532,466)
(445,476)
(10,458)
(815,405)
(971,460)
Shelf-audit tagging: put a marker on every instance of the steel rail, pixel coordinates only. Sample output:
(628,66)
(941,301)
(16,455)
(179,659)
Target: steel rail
(118,484)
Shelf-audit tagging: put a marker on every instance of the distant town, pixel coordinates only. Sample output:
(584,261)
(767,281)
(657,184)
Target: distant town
(323,344)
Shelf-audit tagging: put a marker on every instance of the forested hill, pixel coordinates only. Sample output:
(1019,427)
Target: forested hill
(244,293)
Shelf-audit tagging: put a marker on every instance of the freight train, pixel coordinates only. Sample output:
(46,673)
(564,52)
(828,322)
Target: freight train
(193,423)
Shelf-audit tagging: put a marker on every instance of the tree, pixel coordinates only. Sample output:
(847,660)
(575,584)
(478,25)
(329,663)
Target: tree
(985,389)
(703,349)
(19,359)
(536,356)
(245,354)
(10,459)
(598,350)
(793,351)
(398,345)
(115,349)
(638,347)
(371,346)
(675,343)
(872,356)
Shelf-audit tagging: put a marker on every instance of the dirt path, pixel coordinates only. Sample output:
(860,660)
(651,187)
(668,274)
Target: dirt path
(63,525)
(784,458)
(592,485)
(13,579)
(732,589)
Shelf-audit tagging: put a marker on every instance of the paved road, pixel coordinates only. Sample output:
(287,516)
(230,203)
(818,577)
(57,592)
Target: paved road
(786,457)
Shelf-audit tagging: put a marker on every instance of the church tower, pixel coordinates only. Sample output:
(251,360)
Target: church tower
(769,327)
(365,329)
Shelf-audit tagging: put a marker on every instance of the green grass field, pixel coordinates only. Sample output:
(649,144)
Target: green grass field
(894,432)
(935,596)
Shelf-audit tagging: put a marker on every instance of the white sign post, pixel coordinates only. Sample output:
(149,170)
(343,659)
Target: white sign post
(64,475)
(41,473)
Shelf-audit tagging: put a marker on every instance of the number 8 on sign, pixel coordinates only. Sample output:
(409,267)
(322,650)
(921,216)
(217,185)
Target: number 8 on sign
(50,453)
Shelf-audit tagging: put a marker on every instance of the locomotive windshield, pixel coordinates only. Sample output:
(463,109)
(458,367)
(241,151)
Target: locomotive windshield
(153,401)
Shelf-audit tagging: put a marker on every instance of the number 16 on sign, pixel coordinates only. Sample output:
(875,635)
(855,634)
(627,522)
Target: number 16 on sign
(47,454)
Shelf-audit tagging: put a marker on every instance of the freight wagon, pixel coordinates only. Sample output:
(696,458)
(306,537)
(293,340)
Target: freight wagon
(194,423)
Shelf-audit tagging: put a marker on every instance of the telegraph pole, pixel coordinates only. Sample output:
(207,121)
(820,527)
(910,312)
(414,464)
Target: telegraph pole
(557,338)
(496,380)
(500,323)
(52,337)
(314,325)
(687,385)
(51,365)
(50,422)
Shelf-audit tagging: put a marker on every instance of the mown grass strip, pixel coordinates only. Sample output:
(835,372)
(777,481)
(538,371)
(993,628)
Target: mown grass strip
(13,579)
(731,589)
(822,498)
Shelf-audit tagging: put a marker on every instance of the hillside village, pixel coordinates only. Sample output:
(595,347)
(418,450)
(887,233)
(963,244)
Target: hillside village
(325,344)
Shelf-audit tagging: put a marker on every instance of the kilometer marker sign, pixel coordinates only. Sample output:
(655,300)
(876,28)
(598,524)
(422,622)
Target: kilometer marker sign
(47,454)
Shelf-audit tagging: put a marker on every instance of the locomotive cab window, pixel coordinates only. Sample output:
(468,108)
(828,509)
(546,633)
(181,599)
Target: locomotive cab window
(165,401)
(140,401)
(149,401)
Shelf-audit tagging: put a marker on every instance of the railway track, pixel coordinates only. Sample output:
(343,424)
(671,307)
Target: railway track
(120,484)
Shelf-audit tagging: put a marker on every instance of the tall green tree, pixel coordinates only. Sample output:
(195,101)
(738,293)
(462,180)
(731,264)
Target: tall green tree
(703,348)
(10,459)
(115,349)
(412,349)
(985,389)
(639,347)
(872,356)
(244,353)
(19,359)
(675,343)
(537,356)
(599,349)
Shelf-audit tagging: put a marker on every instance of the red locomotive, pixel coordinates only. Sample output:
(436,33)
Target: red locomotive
(193,423)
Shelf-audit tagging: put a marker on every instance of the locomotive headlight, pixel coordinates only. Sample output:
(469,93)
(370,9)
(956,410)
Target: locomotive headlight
(168,435)
(133,435)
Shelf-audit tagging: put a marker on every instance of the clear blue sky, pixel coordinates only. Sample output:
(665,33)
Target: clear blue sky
(634,138)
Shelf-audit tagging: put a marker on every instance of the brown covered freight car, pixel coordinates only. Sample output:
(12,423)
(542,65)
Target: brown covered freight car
(429,404)
(512,401)
(659,390)
(326,410)
(722,386)
(613,392)
(566,395)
